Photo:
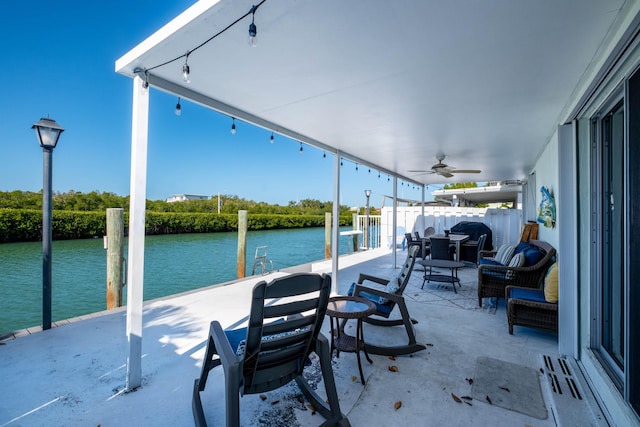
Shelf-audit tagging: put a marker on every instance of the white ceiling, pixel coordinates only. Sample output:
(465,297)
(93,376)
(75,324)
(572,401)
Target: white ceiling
(392,83)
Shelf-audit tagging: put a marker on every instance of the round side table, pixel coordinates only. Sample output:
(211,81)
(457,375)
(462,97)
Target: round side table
(348,307)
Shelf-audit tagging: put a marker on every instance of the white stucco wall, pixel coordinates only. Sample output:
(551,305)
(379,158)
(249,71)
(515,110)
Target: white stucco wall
(546,171)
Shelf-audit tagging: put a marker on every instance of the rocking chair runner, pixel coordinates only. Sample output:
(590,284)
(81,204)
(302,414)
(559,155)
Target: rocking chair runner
(384,310)
(275,348)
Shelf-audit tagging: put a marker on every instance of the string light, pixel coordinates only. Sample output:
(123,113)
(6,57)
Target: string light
(272,138)
(324,155)
(301,148)
(178,108)
(185,68)
(233,125)
(253,30)
(356,167)
(378,175)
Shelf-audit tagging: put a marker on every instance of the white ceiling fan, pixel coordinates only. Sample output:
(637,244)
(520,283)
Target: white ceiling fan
(443,169)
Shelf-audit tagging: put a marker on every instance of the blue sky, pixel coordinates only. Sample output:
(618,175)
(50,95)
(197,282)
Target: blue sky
(58,59)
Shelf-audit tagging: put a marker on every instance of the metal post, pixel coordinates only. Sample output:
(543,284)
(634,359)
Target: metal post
(46,238)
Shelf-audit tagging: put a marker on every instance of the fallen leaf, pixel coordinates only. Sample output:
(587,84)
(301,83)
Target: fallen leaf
(466,397)
(489,400)
(468,403)
(299,398)
(505,389)
(429,344)
(263,397)
(469,380)
(275,402)
(393,368)
(392,358)
(354,378)
(311,408)
(456,398)
(397,405)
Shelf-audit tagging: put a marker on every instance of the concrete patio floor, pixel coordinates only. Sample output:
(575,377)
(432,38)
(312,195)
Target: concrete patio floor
(74,374)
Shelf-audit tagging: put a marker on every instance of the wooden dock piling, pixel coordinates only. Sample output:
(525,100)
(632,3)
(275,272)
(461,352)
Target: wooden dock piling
(115,245)
(242,243)
(327,235)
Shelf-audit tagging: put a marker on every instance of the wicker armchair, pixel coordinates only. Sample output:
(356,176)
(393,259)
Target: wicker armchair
(535,313)
(493,279)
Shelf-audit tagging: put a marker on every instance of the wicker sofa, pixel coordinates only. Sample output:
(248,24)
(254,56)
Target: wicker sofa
(494,279)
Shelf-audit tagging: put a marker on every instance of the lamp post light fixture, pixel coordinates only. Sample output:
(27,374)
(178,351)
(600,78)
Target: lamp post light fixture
(47,132)
(366,213)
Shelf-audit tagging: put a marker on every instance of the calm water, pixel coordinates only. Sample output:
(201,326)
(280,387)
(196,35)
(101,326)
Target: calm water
(173,264)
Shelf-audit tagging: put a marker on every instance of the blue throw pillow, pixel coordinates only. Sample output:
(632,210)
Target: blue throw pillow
(532,256)
(522,247)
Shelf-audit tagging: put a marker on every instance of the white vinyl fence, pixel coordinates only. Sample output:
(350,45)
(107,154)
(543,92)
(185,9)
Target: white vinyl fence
(505,224)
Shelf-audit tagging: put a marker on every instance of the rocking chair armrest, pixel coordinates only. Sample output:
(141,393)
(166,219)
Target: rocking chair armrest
(378,292)
(362,277)
(223,348)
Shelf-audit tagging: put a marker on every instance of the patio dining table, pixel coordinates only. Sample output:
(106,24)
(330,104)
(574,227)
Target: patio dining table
(456,239)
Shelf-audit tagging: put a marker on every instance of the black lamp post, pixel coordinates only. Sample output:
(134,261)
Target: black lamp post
(48,132)
(366,213)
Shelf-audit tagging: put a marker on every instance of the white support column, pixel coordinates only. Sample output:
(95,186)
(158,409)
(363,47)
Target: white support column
(567,200)
(395,221)
(137,204)
(424,226)
(335,229)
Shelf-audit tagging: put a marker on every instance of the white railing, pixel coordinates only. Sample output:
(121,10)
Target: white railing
(374,237)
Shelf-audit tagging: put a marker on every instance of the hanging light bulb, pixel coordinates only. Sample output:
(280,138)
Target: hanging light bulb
(271,139)
(233,125)
(185,69)
(356,167)
(253,30)
(324,155)
(301,148)
(178,108)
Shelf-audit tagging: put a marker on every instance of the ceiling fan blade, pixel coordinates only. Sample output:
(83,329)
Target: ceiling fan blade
(465,171)
(421,172)
(445,174)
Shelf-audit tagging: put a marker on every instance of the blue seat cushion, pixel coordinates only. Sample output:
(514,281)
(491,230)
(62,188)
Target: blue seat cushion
(235,336)
(382,308)
(527,294)
(237,341)
(489,261)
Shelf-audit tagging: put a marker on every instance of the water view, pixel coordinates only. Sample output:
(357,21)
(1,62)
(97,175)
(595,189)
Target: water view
(173,264)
